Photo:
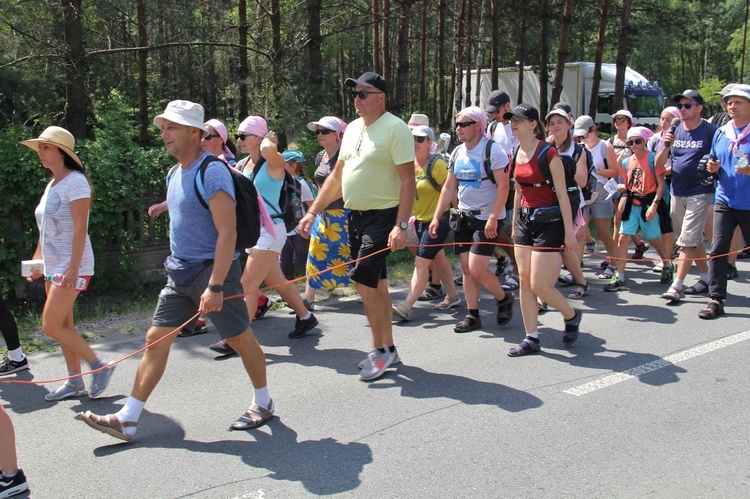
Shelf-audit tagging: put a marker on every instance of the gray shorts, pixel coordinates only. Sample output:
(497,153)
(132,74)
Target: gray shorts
(601,207)
(689,216)
(177,304)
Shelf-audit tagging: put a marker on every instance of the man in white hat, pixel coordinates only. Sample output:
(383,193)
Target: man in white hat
(203,270)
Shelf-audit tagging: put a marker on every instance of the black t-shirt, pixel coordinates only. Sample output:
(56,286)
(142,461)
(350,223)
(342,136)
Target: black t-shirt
(322,172)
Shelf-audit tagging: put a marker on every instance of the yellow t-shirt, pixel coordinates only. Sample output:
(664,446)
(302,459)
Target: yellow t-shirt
(426,199)
(370,154)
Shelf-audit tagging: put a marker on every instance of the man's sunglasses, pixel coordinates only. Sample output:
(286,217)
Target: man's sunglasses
(686,105)
(634,142)
(419,139)
(323,131)
(361,94)
(464,124)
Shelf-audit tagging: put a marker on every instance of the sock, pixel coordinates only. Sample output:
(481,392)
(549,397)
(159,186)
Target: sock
(130,412)
(534,336)
(474,312)
(261,397)
(200,322)
(621,276)
(435,286)
(381,349)
(306,317)
(5,475)
(97,364)
(78,382)
(704,277)
(16,355)
(677,283)
(392,348)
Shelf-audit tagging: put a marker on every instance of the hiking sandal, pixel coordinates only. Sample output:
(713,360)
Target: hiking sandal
(673,294)
(572,327)
(505,309)
(566,280)
(469,323)
(528,345)
(108,424)
(254,416)
(697,288)
(714,309)
(579,291)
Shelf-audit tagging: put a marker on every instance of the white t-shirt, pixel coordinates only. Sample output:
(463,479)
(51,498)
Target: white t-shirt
(475,190)
(56,228)
(502,136)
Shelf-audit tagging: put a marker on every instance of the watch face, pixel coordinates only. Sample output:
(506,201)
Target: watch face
(403,225)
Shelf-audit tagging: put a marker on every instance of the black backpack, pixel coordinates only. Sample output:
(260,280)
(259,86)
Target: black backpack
(569,168)
(246,207)
(590,186)
(290,199)
(428,172)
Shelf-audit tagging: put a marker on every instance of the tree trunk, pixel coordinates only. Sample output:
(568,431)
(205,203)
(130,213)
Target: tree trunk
(387,42)
(443,106)
(75,69)
(521,52)
(544,59)
(402,64)
(480,55)
(459,57)
(243,72)
(468,23)
(495,55)
(376,64)
(423,59)
(563,52)
(314,42)
(342,77)
(594,103)
(622,55)
(278,81)
(142,75)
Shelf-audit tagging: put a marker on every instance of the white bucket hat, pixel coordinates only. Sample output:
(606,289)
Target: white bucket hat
(329,122)
(182,112)
(58,137)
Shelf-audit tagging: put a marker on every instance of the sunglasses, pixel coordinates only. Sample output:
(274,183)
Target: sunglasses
(634,142)
(419,139)
(243,136)
(620,119)
(209,137)
(464,124)
(323,131)
(361,94)
(686,105)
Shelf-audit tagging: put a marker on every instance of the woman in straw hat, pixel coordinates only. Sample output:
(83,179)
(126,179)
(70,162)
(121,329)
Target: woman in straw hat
(64,245)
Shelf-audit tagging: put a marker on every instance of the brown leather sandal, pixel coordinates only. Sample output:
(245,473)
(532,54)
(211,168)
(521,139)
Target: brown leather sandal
(254,416)
(108,424)
(714,309)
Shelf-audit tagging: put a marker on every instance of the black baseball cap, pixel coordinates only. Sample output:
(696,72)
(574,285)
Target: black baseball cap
(523,110)
(564,106)
(689,94)
(498,99)
(368,79)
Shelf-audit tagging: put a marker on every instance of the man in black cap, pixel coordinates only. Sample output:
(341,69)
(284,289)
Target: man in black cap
(374,175)
(691,193)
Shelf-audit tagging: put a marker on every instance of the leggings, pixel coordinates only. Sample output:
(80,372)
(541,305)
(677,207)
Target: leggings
(8,327)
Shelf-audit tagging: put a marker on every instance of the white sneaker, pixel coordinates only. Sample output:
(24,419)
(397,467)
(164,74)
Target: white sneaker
(658,267)
(378,363)
(365,363)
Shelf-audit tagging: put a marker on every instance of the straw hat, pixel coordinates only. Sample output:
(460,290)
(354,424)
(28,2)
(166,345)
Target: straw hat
(58,137)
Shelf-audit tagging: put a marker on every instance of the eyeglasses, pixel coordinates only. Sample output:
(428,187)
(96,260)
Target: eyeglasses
(361,94)
(323,131)
(464,124)
(620,119)
(686,105)
(243,136)
(209,137)
(419,139)
(516,119)
(634,142)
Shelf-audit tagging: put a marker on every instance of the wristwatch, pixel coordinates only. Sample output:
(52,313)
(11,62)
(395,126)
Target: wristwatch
(215,288)
(403,225)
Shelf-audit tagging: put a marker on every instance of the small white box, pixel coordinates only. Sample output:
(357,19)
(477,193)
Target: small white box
(28,267)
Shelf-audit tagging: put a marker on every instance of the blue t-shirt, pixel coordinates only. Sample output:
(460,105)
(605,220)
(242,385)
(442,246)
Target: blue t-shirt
(192,234)
(733,190)
(688,149)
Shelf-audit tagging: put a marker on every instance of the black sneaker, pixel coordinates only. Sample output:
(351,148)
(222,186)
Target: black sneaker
(302,327)
(732,272)
(198,329)
(11,366)
(10,486)
(222,348)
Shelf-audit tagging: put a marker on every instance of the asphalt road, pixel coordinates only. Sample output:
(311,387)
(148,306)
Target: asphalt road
(651,401)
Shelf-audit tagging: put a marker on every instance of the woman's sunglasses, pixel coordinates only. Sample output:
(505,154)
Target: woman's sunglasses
(634,142)
(323,131)
(419,139)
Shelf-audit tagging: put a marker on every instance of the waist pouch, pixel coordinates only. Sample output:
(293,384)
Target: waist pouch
(455,219)
(546,215)
(182,272)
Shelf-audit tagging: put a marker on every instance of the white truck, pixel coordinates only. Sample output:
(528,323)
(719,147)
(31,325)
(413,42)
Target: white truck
(644,99)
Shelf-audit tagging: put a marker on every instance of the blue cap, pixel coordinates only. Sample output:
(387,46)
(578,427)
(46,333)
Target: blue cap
(293,155)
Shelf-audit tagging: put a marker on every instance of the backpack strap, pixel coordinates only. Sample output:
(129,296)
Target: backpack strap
(493,127)
(543,167)
(200,189)
(428,171)
(486,161)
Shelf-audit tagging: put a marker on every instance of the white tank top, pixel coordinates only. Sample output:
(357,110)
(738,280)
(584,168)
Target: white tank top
(599,153)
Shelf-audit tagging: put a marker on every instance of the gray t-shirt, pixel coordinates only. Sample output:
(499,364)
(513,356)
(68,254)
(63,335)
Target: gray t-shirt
(192,234)
(473,192)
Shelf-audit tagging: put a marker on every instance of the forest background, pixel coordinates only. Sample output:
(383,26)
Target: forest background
(104,68)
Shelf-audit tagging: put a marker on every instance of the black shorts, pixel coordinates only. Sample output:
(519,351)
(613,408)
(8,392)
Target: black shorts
(429,247)
(472,231)
(540,236)
(368,234)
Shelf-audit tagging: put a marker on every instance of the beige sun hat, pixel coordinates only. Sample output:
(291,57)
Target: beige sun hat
(58,137)
(182,112)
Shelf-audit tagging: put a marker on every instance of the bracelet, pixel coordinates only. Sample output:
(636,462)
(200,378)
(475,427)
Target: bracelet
(657,201)
(313,213)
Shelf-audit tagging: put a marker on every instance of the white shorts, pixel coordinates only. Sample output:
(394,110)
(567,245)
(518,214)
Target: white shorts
(266,242)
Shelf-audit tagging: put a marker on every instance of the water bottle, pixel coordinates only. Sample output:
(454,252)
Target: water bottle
(57,280)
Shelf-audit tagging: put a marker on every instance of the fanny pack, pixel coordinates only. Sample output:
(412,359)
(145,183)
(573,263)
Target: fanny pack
(182,272)
(546,215)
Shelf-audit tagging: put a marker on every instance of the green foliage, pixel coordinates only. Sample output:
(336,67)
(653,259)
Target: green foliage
(707,89)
